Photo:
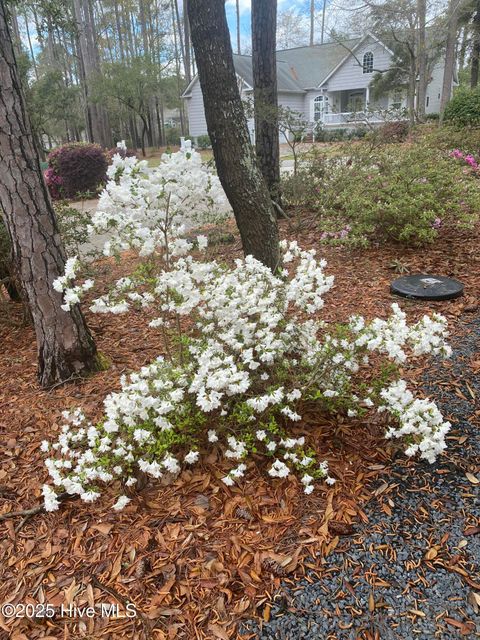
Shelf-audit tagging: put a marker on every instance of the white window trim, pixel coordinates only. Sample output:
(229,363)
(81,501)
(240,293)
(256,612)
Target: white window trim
(313,102)
(370,63)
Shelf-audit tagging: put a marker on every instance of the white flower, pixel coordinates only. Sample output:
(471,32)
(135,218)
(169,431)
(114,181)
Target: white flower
(191,457)
(308,489)
(212,436)
(261,435)
(171,464)
(202,242)
(45,446)
(50,498)
(121,503)
(90,496)
(279,469)
(228,480)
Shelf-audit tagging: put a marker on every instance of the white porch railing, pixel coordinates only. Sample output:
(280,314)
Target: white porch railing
(353,117)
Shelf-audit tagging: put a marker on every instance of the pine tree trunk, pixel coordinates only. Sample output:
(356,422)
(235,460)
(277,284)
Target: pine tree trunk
(449,57)
(227,127)
(312,22)
(264,23)
(422,60)
(98,128)
(65,346)
(239,46)
(186,28)
(475,48)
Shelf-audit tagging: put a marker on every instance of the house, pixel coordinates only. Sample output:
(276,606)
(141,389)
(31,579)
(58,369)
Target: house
(327,83)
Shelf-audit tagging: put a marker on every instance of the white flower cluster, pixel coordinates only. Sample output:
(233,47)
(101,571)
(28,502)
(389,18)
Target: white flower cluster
(147,207)
(148,210)
(64,284)
(253,356)
(392,335)
(420,423)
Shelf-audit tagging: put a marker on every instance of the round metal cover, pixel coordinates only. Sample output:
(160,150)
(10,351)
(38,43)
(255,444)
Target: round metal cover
(426,287)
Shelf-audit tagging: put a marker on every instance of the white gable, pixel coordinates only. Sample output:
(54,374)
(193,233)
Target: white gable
(350,74)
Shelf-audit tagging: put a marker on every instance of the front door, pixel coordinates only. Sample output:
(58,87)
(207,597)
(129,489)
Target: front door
(320,108)
(356,101)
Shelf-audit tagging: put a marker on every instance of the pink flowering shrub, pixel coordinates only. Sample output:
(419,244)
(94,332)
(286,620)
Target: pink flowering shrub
(468,158)
(54,183)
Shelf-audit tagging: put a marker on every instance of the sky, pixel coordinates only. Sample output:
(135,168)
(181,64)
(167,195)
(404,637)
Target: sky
(335,17)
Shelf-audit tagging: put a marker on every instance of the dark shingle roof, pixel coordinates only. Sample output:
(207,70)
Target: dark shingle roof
(300,68)
(311,65)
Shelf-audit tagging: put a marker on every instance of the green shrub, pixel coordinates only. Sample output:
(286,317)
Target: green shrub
(400,194)
(7,277)
(301,190)
(464,108)
(339,135)
(172,136)
(448,137)
(73,224)
(203,142)
(392,132)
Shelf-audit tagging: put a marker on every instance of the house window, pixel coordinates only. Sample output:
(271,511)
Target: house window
(396,102)
(320,107)
(356,101)
(428,101)
(368,62)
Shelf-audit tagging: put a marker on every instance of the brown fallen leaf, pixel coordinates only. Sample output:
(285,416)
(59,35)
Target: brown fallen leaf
(417,612)
(431,554)
(218,631)
(371,602)
(473,598)
(471,478)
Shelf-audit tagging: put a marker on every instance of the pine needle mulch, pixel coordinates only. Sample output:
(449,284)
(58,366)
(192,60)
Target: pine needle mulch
(194,556)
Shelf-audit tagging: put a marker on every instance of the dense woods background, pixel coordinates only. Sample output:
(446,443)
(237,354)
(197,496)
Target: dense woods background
(102,71)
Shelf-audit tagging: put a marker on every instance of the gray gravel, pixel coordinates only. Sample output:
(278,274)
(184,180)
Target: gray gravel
(433,506)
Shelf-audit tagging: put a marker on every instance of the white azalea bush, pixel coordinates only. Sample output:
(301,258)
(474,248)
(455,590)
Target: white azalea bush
(146,207)
(240,379)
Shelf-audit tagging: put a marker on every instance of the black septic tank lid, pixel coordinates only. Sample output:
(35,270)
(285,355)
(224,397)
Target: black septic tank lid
(426,287)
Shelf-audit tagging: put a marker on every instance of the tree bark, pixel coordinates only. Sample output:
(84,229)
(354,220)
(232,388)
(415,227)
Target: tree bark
(98,125)
(237,7)
(227,127)
(474,64)
(186,28)
(264,25)
(65,345)
(422,60)
(312,22)
(449,56)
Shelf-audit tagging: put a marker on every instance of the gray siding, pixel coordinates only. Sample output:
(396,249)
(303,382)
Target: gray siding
(350,75)
(197,125)
(434,90)
(294,101)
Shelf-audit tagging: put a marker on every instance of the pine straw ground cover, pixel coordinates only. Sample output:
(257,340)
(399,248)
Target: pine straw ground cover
(195,557)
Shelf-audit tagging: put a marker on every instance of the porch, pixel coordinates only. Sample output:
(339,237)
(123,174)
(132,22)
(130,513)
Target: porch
(348,108)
